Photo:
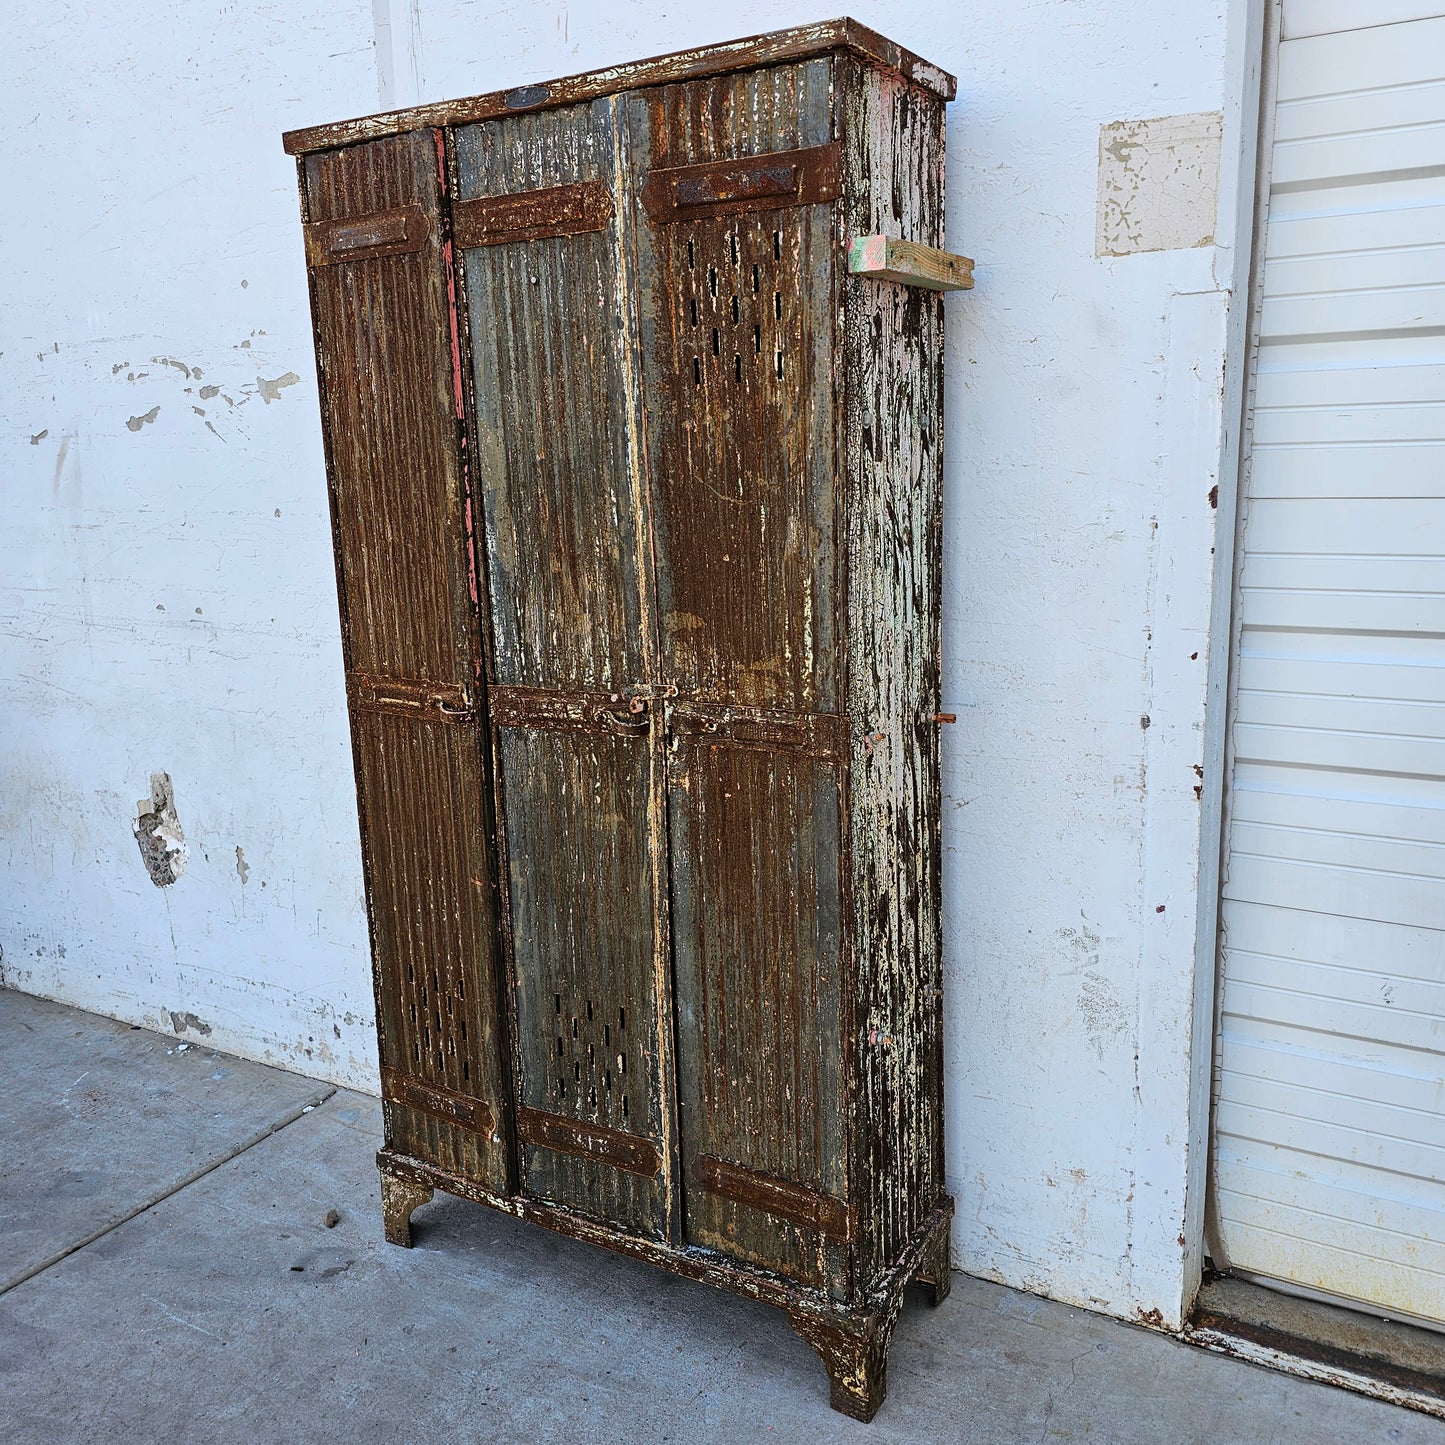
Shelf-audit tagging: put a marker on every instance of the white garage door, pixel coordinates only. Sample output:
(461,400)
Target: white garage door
(1330,1113)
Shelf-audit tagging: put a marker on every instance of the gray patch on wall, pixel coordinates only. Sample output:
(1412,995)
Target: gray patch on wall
(270,391)
(1158,184)
(158,833)
(180,1022)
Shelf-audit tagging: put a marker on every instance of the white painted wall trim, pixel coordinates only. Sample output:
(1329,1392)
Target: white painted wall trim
(1253,190)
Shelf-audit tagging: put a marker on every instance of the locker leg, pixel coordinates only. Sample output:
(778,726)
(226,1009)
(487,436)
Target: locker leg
(935,1266)
(854,1351)
(398,1198)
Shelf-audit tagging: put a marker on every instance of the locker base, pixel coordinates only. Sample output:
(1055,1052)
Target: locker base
(851,1339)
(399,1196)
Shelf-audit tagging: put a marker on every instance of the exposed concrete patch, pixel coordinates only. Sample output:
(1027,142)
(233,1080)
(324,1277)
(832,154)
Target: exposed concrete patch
(243,869)
(39,437)
(135,423)
(1158,184)
(180,1022)
(158,833)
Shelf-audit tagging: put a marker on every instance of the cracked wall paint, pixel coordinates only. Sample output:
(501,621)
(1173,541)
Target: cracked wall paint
(1158,184)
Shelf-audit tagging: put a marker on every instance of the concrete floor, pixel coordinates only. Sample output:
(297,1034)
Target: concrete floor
(166,1272)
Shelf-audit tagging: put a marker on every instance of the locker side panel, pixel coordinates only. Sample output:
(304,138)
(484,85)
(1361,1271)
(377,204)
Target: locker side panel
(893,134)
(375,236)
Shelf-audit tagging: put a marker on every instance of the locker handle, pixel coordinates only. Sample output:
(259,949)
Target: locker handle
(447,710)
(630,721)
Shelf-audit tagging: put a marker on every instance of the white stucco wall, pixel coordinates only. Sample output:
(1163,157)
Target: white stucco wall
(167,603)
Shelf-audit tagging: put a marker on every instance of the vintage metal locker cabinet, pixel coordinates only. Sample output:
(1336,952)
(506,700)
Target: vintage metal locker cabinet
(631,387)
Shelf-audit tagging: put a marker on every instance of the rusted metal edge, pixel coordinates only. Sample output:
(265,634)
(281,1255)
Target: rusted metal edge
(363,238)
(1318,1352)
(819,735)
(542,707)
(408,697)
(532,215)
(778,1197)
(750,1281)
(797,43)
(771,181)
(593,1141)
(414,1093)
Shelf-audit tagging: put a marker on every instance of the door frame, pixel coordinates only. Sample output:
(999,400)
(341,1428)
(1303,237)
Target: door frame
(1253,58)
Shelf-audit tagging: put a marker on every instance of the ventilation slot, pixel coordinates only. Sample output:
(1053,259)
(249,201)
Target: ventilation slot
(739,333)
(589,1072)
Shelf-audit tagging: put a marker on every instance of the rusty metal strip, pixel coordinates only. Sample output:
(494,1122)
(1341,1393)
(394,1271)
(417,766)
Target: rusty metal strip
(818,735)
(407,697)
(774,1196)
(593,1141)
(532,215)
(405,1089)
(362,238)
(541,707)
(776,48)
(744,183)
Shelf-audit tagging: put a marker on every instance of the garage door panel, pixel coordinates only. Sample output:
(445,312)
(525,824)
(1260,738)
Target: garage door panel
(1415,577)
(1320,388)
(1355,273)
(1359,59)
(1376,526)
(1408,1079)
(1332,158)
(1304,746)
(1369,716)
(1347,649)
(1404,1212)
(1288,1125)
(1388,308)
(1330,1095)
(1343,610)
(1373,1023)
(1342,892)
(1338,849)
(1400,1100)
(1320,17)
(1405,953)
(1369,823)
(1394,191)
(1387,1266)
(1332,423)
(1356,113)
(1379,998)
(1321,1266)
(1398,470)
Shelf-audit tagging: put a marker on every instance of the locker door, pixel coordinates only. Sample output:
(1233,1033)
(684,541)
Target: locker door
(572,665)
(735,256)
(379,286)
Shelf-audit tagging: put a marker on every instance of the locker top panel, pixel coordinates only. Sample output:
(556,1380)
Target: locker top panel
(780,45)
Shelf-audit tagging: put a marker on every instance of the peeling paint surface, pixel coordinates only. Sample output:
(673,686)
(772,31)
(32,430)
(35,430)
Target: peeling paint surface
(158,832)
(1158,184)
